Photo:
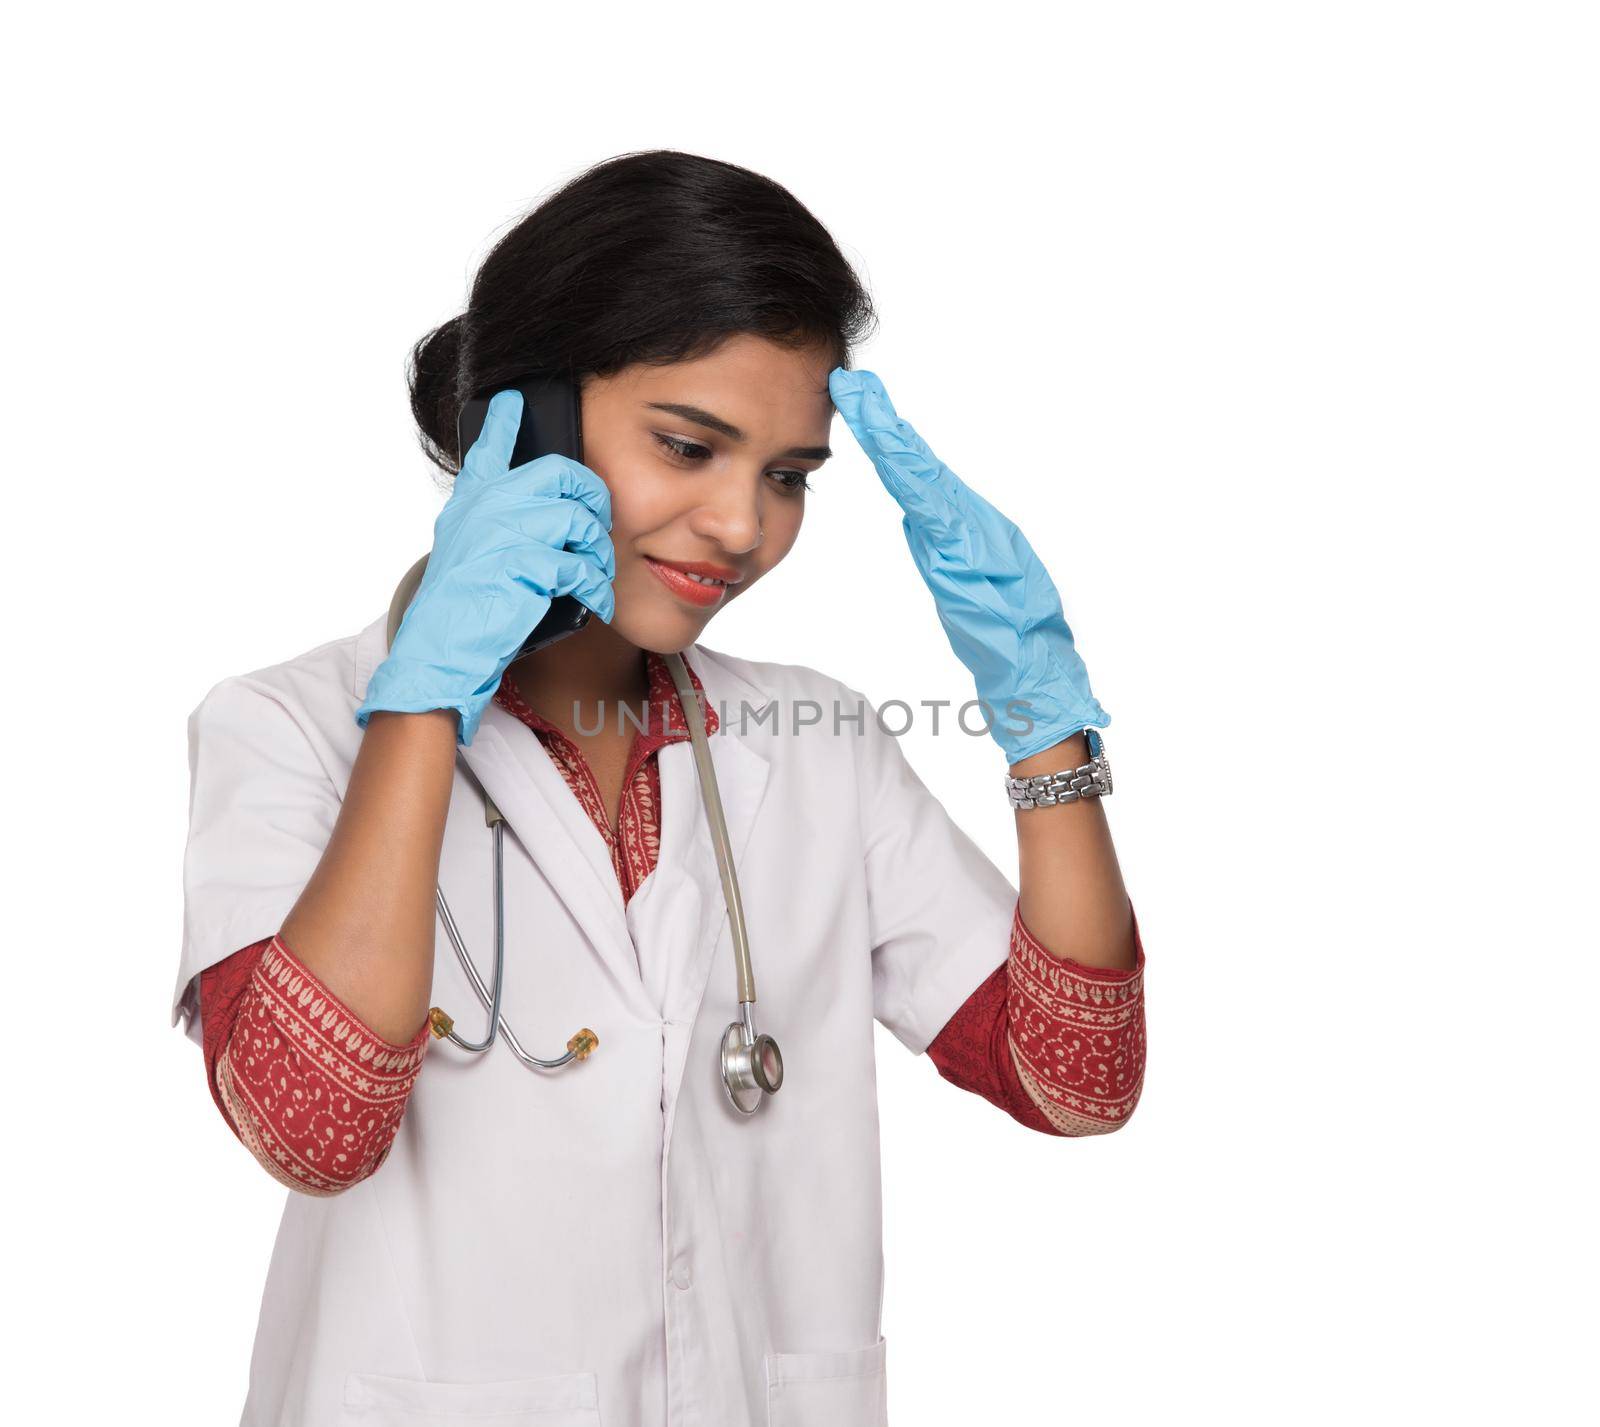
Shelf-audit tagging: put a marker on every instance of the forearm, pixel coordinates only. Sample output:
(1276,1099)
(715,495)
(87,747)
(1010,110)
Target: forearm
(1072,894)
(364,925)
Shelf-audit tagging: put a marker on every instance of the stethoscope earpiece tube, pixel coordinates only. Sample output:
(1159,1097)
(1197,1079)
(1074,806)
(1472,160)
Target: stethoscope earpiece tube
(404,593)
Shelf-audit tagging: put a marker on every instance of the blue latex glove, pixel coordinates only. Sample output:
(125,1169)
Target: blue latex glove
(995,599)
(505,545)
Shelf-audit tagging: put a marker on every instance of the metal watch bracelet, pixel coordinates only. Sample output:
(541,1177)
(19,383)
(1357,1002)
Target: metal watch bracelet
(1045,790)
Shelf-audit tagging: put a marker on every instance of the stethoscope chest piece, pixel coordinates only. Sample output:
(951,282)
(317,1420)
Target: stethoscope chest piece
(752,1065)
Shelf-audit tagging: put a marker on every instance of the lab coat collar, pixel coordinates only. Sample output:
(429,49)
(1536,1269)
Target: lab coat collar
(517,771)
(664,719)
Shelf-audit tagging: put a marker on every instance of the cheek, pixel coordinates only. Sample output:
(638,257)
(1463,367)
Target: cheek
(641,503)
(629,515)
(782,519)
(780,526)
(637,491)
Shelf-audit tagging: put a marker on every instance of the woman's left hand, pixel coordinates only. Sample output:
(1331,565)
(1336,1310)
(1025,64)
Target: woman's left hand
(996,601)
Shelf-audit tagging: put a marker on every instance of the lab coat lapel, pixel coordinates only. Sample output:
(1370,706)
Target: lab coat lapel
(691,939)
(682,918)
(516,771)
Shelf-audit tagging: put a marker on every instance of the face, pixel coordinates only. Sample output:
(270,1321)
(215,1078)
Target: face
(706,462)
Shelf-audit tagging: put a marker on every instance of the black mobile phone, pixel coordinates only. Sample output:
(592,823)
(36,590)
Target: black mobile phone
(552,421)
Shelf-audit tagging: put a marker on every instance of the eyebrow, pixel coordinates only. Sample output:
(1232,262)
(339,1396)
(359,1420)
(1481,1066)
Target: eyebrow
(732,432)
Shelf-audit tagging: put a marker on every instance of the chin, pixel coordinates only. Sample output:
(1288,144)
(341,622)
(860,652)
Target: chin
(660,631)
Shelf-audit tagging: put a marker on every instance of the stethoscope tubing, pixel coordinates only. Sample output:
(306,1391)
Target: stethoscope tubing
(752,1065)
(711,798)
(497,1022)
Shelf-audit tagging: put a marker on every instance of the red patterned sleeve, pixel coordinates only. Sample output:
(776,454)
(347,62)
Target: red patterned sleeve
(1057,1045)
(312,1092)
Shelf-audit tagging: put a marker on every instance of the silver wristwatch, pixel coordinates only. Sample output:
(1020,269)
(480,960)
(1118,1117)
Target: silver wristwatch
(1045,790)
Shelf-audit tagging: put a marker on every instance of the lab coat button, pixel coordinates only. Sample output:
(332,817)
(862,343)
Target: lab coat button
(681,1277)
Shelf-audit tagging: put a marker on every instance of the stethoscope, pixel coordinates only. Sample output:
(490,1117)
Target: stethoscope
(751,1063)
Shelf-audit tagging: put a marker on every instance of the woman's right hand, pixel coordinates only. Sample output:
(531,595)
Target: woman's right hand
(506,544)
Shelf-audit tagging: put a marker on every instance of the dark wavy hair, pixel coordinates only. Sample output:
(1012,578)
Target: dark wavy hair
(654,256)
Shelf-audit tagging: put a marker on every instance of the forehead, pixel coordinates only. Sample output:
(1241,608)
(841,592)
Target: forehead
(752,382)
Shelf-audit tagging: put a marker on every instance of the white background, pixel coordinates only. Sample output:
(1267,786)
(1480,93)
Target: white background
(1273,327)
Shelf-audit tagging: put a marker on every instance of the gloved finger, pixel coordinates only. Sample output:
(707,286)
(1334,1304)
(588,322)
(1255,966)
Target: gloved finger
(533,531)
(596,593)
(588,535)
(579,573)
(926,488)
(511,520)
(558,475)
(491,452)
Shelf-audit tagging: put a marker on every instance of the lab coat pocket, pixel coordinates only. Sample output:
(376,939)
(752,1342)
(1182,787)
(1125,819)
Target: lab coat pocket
(561,1400)
(839,1389)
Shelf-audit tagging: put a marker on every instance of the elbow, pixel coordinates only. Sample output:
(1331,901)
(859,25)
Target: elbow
(1128,1104)
(322,1189)
(312,1191)
(1116,1120)
(319,1166)
(1107,1115)
(1079,1127)
(340,1174)
(1075,1107)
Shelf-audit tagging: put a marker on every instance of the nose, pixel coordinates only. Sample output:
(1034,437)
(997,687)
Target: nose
(731,516)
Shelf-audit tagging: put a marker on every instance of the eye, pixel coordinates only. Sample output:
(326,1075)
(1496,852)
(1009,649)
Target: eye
(693,452)
(683,450)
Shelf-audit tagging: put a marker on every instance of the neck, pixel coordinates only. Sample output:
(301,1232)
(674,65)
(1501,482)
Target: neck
(593,669)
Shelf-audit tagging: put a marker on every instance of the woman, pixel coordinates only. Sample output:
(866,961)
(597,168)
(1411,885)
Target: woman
(612,1241)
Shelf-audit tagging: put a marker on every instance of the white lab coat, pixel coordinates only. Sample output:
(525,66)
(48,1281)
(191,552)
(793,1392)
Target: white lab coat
(609,1242)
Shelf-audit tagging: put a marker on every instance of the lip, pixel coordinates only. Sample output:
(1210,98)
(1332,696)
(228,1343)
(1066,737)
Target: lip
(673,576)
(703,567)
